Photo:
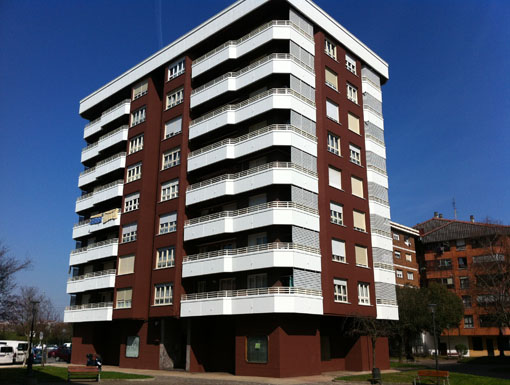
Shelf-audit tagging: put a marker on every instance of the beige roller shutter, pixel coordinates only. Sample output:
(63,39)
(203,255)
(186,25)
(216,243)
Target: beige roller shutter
(357,187)
(354,123)
(361,255)
(359,221)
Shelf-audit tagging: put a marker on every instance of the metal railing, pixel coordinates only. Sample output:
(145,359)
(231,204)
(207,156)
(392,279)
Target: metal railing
(382,301)
(251,249)
(251,171)
(104,137)
(256,31)
(92,275)
(251,135)
(385,266)
(233,107)
(251,209)
(102,162)
(375,168)
(365,79)
(94,245)
(378,200)
(251,292)
(101,188)
(87,221)
(381,232)
(378,141)
(230,75)
(367,107)
(96,305)
(106,112)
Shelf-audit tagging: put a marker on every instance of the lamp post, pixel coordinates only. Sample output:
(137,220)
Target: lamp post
(30,355)
(432,308)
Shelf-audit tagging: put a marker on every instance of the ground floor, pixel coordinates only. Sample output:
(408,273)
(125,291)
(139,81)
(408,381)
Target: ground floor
(477,345)
(252,345)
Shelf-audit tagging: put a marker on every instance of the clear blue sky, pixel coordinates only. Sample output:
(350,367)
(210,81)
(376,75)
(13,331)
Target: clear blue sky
(446,105)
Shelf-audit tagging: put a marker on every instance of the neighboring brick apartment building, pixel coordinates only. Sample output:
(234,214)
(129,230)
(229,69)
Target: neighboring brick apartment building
(404,255)
(235,201)
(453,253)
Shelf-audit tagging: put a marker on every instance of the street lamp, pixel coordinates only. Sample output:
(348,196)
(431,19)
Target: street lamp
(30,355)
(432,308)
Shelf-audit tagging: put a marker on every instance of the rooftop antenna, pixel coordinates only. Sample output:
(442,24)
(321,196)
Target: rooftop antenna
(454,209)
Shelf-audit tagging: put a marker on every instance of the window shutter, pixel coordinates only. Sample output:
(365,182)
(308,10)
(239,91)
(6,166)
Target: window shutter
(332,110)
(359,220)
(126,264)
(338,247)
(331,78)
(354,124)
(361,255)
(335,178)
(357,187)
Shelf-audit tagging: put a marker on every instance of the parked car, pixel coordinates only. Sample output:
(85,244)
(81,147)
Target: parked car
(7,355)
(37,355)
(61,354)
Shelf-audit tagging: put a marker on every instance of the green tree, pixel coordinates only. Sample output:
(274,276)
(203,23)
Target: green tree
(449,307)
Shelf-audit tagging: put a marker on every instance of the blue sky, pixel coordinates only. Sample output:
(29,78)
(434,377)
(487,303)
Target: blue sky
(446,105)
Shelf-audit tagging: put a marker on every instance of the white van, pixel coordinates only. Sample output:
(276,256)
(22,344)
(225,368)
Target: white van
(20,349)
(7,354)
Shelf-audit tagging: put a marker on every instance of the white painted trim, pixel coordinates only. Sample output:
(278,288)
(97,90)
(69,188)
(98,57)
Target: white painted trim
(405,267)
(404,228)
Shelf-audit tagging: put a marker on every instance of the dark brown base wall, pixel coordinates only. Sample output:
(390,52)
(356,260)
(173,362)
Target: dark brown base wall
(100,338)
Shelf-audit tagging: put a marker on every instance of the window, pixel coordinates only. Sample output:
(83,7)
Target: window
(468,322)
(410,276)
(352,93)
(163,294)
(400,274)
(359,220)
(464,282)
(134,172)
(361,255)
(201,286)
(396,237)
(355,154)
(338,250)
(397,254)
(138,116)
(357,187)
(353,123)
(256,349)
(129,232)
(165,257)
(257,239)
(175,69)
(174,98)
(335,178)
(340,290)
(332,110)
(407,241)
(462,263)
(350,63)
(171,158)
(461,244)
(257,281)
(126,264)
(331,79)
(173,127)
(409,258)
(170,190)
(140,89)
(168,223)
(333,144)
(336,212)
(131,202)
(364,293)
(124,298)
(330,48)
(227,284)
(132,346)
(136,144)
(466,301)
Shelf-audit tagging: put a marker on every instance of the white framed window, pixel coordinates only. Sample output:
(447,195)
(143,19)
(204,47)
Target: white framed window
(129,232)
(409,258)
(407,241)
(336,212)
(171,158)
(340,290)
(332,110)
(170,190)
(131,202)
(331,79)
(126,265)
(357,187)
(333,143)
(410,275)
(163,294)
(138,116)
(140,89)
(397,254)
(165,257)
(168,223)
(173,127)
(134,172)
(361,255)
(352,93)
(176,68)
(353,123)
(355,154)
(363,293)
(396,237)
(338,250)
(350,63)
(256,281)
(174,98)
(330,48)
(400,274)
(135,144)
(124,297)
(335,177)
(359,220)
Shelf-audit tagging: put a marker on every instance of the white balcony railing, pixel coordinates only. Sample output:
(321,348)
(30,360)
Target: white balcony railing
(100,194)
(248,292)
(91,281)
(90,312)
(106,220)
(91,275)
(107,116)
(94,251)
(102,167)
(116,136)
(96,305)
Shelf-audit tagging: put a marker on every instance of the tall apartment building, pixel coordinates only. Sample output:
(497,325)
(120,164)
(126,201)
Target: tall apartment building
(406,265)
(235,201)
(460,255)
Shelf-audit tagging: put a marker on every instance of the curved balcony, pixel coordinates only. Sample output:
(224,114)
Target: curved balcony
(273,135)
(95,251)
(94,149)
(266,214)
(277,63)
(108,116)
(91,281)
(100,194)
(103,167)
(252,301)
(233,49)
(277,254)
(91,312)
(252,179)
(107,220)
(276,98)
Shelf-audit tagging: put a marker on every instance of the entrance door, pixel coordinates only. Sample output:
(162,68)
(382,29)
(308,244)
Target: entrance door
(490,346)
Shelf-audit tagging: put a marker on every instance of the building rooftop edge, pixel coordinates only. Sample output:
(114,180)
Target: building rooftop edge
(220,21)
(404,228)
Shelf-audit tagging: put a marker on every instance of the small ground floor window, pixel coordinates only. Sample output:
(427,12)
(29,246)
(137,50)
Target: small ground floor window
(132,346)
(256,349)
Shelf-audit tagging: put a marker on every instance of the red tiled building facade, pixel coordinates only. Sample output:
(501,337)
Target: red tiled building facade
(404,255)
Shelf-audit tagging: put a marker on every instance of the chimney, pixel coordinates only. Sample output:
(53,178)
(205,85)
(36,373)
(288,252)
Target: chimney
(436,215)
(472,218)
(440,215)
